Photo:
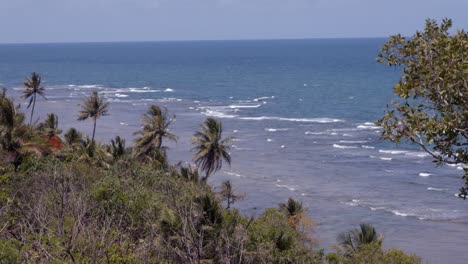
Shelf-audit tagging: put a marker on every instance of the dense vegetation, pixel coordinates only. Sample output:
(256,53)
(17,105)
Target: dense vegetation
(69,199)
(431,109)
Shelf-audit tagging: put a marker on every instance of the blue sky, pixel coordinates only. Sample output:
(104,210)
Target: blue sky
(24,21)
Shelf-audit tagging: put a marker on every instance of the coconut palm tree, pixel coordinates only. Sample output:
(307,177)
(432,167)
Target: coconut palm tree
(117,147)
(211,149)
(33,88)
(73,137)
(50,126)
(351,241)
(227,193)
(93,107)
(294,211)
(156,124)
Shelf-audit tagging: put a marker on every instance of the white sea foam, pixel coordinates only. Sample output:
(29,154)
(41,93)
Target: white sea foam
(398,213)
(138,90)
(244,106)
(269,140)
(123,124)
(418,154)
(121,95)
(289,187)
(385,158)
(283,146)
(263,98)
(306,120)
(352,141)
(218,114)
(88,86)
(436,189)
(367,147)
(425,174)
(314,133)
(343,147)
(233,174)
(368,125)
(168,90)
(276,129)
(393,152)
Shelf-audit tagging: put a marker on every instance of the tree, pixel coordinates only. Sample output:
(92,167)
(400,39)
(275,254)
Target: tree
(431,109)
(294,211)
(33,88)
(93,107)
(117,147)
(211,148)
(352,241)
(50,126)
(227,194)
(156,124)
(73,137)
(16,140)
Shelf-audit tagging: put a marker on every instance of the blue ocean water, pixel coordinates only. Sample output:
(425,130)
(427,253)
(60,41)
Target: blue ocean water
(302,112)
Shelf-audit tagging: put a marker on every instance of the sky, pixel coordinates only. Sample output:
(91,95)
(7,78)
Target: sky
(38,21)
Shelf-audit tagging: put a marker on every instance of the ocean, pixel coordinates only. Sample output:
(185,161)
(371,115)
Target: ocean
(302,113)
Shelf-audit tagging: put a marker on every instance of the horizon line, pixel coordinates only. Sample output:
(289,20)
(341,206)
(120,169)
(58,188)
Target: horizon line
(184,40)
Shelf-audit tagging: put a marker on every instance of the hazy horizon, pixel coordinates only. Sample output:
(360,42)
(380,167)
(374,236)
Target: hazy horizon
(85,21)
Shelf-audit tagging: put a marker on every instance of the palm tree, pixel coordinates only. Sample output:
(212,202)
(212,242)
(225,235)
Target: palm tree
(294,211)
(211,149)
(93,107)
(50,126)
(227,193)
(156,124)
(351,241)
(33,88)
(73,137)
(117,147)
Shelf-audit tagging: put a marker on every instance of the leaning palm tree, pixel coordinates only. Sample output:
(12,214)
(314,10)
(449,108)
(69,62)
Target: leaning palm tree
(352,241)
(93,107)
(211,149)
(33,88)
(156,124)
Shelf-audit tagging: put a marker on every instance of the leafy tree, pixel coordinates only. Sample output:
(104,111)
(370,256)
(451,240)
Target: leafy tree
(156,124)
(16,140)
(431,109)
(352,241)
(93,107)
(33,88)
(211,149)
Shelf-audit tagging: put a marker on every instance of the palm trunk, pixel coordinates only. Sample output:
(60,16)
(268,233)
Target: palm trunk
(94,131)
(32,110)
(159,142)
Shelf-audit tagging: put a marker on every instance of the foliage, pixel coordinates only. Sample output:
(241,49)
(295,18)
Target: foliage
(93,107)
(352,241)
(211,149)
(32,89)
(156,124)
(431,109)
(94,203)
(373,253)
